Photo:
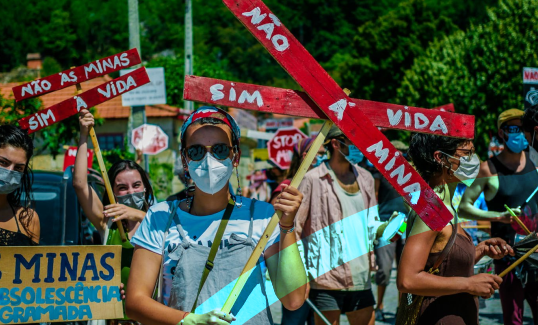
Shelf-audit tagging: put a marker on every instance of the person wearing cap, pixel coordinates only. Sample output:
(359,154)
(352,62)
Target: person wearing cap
(507,179)
(175,240)
(337,223)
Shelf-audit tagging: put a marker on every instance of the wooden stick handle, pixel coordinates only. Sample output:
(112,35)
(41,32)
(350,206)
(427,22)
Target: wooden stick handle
(108,187)
(253,259)
(104,174)
(519,261)
(516,218)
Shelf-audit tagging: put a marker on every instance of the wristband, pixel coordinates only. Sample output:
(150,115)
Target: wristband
(286,230)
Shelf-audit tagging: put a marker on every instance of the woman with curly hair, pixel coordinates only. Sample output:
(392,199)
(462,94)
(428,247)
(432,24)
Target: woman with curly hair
(436,269)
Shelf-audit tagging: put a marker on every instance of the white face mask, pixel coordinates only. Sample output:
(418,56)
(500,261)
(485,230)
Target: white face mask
(210,175)
(468,169)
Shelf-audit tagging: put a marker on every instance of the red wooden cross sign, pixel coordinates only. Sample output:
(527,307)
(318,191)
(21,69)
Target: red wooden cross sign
(340,109)
(87,99)
(296,103)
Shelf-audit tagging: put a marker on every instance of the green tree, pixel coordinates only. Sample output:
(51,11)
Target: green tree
(50,66)
(385,47)
(478,70)
(58,36)
(66,132)
(11,111)
(174,68)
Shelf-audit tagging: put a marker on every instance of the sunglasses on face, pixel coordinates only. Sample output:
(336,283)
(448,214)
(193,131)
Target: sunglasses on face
(197,152)
(512,129)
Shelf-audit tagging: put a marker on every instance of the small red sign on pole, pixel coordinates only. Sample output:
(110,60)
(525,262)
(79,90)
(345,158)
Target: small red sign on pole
(149,138)
(280,147)
(71,154)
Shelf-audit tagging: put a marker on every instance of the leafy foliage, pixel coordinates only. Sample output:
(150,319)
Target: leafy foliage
(161,175)
(58,134)
(417,52)
(478,70)
(11,111)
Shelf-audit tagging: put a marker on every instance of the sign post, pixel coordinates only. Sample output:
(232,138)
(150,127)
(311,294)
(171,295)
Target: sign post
(150,139)
(280,147)
(150,94)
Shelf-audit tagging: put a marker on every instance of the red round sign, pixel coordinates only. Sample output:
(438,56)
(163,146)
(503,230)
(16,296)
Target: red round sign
(280,147)
(149,138)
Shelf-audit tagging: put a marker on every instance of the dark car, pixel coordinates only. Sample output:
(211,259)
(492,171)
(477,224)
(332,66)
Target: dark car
(60,214)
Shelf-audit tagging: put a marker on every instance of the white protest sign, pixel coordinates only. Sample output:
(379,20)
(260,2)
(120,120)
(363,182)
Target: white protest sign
(150,94)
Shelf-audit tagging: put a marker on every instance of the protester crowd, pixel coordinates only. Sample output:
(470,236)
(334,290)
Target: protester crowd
(333,233)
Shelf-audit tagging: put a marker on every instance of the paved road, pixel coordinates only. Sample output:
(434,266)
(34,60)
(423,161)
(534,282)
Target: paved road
(491,315)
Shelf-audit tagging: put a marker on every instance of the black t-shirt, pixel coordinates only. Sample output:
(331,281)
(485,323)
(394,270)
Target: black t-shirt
(514,189)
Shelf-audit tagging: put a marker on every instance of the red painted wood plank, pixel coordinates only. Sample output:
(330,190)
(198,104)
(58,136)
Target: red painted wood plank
(297,103)
(332,100)
(77,75)
(87,99)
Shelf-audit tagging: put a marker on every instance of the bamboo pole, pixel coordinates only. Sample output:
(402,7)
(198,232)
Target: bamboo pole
(253,259)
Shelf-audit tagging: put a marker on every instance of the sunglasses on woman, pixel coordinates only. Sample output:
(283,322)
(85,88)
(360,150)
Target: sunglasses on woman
(197,152)
(512,129)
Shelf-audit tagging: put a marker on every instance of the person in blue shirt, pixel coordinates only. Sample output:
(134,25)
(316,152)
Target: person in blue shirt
(210,139)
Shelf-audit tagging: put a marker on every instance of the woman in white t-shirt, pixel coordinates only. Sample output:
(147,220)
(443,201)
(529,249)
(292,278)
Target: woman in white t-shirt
(210,140)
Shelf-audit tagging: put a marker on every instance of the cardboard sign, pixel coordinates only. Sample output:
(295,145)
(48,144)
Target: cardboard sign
(439,121)
(59,284)
(151,94)
(87,99)
(280,147)
(77,75)
(341,109)
(71,155)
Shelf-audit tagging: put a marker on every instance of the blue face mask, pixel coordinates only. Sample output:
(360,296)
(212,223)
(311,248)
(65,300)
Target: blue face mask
(516,142)
(319,160)
(355,155)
